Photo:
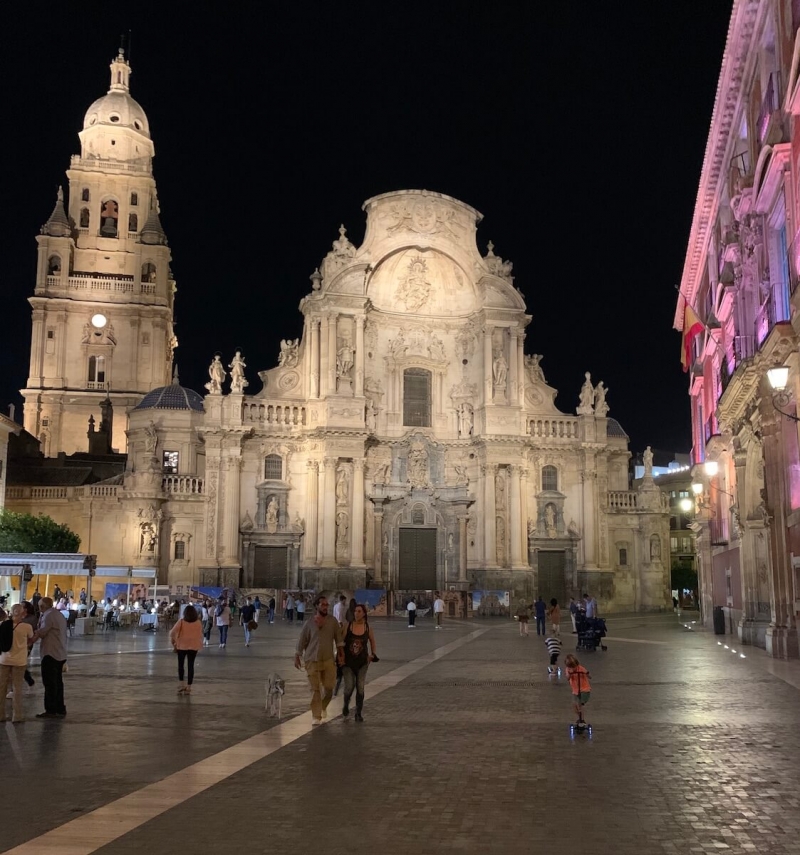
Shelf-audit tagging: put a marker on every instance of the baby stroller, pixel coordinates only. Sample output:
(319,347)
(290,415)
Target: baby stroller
(591,632)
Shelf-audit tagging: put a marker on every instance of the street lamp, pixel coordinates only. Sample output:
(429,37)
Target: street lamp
(686,505)
(779,379)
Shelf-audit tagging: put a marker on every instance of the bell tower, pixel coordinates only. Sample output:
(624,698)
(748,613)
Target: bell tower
(103,299)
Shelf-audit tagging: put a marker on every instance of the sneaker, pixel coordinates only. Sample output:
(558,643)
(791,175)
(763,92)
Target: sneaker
(222,645)
(316,721)
(247,644)
(181,689)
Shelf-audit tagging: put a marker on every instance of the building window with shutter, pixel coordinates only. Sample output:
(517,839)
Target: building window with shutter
(416,397)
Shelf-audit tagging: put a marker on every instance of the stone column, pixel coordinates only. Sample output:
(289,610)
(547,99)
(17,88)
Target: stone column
(521,368)
(512,368)
(489,523)
(320,511)
(360,360)
(357,523)
(524,490)
(37,346)
(377,550)
(230,520)
(312,510)
(487,364)
(782,631)
(329,513)
(516,517)
(61,353)
(332,354)
(588,482)
(462,549)
(315,357)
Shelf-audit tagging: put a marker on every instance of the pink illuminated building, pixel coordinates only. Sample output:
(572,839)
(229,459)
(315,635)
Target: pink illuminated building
(740,276)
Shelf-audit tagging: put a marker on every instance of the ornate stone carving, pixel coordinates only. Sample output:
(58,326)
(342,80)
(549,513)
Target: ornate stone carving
(465,340)
(500,542)
(500,491)
(150,438)
(418,465)
(533,369)
(496,265)
(211,529)
(371,335)
(216,371)
(288,381)
(423,217)
(344,360)
(341,254)
(647,460)
(499,370)
(342,488)
(436,349)
(600,406)
(585,407)
(342,528)
(238,381)
(290,353)
(466,419)
(272,515)
(415,289)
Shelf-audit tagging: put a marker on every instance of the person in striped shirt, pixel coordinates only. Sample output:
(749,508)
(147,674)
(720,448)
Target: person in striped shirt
(553,644)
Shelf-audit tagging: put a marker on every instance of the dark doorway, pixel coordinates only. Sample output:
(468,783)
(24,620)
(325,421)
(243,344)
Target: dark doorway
(552,567)
(417,559)
(269,567)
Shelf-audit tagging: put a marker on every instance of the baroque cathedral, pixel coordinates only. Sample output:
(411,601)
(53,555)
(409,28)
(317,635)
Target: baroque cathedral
(404,442)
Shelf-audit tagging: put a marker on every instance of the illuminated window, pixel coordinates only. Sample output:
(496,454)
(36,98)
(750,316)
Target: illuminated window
(180,550)
(416,397)
(549,478)
(273,467)
(97,369)
(169,463)
(673,544)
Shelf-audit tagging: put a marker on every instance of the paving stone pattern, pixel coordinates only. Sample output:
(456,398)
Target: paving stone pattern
(694,750)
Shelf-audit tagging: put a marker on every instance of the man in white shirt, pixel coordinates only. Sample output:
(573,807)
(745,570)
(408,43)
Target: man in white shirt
(412,613)
(438,610)
(340,609)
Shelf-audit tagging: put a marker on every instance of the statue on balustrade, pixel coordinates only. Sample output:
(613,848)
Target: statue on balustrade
(237,366)
(217,373)
(587,397)
(600,406)
(289,354)
(647,459)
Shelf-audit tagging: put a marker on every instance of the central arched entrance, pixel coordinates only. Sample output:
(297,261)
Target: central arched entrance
(417,559)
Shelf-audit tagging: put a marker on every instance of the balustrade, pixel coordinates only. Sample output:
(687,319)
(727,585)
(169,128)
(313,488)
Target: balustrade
(555,428)
(183,485)
(289,415)
(623,500)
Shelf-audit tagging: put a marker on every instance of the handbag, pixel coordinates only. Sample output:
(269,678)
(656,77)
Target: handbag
(252,624)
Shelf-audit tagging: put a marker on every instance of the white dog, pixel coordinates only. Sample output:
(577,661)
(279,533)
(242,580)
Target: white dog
(276,687)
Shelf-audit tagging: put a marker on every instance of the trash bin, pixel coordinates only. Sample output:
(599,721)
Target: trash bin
(719,621)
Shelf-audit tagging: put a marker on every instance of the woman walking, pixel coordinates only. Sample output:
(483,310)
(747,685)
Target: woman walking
(223,618)
(13,663)
(208,622)
(356,659)
(187,639)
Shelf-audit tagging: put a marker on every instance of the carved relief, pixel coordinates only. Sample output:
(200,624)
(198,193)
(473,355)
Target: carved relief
(288,381)
(211,524)
(418,465)
(496,265)
(415,289)
(423,217)
(290,353)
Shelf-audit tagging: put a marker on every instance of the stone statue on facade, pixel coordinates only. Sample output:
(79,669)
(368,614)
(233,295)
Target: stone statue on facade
(342,525)
(418,465)
(87,333)
(585,407)
(550,520)
(462,479)
(150,439)
(655,547)
(647,460)
(572,529)
(499,370)
(600,406)
(466,420)
(381,475)
(342,488)
(272,515)
(436,349)
(398,347)
(237,366)
(289,354)
(217,373)
(533,368)
(370,415)
(344,360)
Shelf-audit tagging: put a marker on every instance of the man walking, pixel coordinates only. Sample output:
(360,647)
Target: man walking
(438,610)
(272,609)
(541,615)
(290,608)
(52,632)
(591,606)
(257,607)
(246,614)
(573,613)
(315,648)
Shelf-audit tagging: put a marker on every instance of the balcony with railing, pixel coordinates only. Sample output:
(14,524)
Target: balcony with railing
(90,491)
(104,164)
(554,428)
(183,485)
(274,415)
(718,530)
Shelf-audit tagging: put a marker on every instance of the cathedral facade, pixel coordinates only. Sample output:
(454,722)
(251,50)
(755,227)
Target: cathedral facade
(404,442)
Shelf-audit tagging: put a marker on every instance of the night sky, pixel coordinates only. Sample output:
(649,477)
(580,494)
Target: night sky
(576,128)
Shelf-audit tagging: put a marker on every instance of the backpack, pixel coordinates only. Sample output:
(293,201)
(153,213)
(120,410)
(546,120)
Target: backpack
(6,635)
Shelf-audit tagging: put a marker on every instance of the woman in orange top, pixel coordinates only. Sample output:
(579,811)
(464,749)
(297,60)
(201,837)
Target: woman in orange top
(187,638)
(578,678)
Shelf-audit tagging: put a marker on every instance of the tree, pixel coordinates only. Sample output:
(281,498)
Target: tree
(29,533)
(684,578)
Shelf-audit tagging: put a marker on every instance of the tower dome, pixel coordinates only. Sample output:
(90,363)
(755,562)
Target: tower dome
(172,397)
(117,109)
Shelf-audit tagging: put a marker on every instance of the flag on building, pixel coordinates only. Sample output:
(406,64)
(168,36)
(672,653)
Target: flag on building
(692,327)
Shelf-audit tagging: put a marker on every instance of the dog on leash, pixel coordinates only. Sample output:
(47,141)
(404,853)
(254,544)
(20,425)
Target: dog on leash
(276,686)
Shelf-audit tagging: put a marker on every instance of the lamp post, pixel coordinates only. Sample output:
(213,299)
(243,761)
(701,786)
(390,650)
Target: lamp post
(778,377)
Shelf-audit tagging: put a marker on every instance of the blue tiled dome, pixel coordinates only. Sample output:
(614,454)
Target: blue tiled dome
(614,428)
(172,397)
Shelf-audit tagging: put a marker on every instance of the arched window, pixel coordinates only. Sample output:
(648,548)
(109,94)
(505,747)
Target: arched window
(53,265)
(134,199)
(133,223)
(97,369)
(273,467)
(417,397)
(85,194)
(148,272)
(84,218)
(549,478)
(109,214)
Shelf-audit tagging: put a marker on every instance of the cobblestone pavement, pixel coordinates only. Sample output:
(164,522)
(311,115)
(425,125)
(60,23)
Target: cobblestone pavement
(693,749)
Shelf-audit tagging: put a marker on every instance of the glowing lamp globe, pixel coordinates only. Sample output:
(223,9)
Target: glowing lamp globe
(778,377)
(686,505)
(99,321)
